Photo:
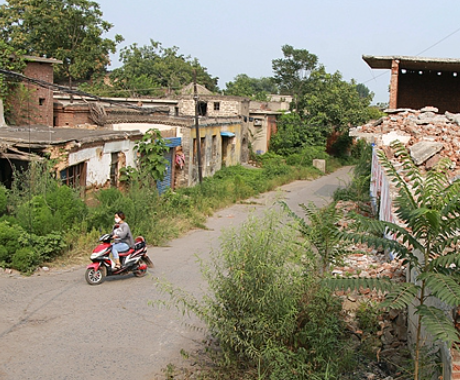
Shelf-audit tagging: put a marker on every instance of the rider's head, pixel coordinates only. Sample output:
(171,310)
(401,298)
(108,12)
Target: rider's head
(121,215)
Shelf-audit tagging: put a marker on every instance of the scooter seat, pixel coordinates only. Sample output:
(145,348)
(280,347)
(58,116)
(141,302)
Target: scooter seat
(126,253)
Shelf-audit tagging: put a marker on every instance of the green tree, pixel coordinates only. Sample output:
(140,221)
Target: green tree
(69,30)
(427,240)
(153,70)
(363,91)
(334,103)
(10,59)
(152,164)
(292,72)
(263,307)
(253,88)
(294,133)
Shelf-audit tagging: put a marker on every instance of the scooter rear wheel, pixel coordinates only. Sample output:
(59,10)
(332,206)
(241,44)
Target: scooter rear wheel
(140,272)
(95,277)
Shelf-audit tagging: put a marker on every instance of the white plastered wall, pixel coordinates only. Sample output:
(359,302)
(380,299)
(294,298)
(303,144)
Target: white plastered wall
(98,160)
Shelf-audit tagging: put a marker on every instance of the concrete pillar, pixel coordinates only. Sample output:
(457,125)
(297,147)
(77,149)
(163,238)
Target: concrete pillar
(2,115)
(320,164)
(394,84)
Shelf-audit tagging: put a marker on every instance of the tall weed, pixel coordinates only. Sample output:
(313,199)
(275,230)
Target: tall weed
(261,307)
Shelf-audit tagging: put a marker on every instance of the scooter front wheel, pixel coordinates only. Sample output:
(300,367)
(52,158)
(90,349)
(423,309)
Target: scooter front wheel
(95,277)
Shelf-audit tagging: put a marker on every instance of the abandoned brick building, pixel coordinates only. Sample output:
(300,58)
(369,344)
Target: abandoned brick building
(417,82)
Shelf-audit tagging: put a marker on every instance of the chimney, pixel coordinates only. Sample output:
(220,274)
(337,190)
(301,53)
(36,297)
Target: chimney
(2,116)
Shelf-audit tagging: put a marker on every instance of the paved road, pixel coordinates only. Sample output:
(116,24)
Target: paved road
(55,326)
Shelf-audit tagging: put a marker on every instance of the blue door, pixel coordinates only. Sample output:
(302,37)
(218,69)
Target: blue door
(172,142)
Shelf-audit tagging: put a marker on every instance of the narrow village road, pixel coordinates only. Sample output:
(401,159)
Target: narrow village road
(55,326)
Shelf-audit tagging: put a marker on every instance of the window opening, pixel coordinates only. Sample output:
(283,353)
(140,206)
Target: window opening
(216,106)
(74,176)
(114,170)
(202,108)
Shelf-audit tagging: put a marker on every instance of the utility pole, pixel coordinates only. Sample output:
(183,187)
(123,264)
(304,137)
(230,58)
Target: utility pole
(197,129)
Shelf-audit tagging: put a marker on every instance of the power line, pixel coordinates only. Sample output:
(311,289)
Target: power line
(53,86)
(423,51)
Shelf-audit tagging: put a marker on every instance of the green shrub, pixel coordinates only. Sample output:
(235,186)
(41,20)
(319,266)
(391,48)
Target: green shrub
(4,256)
(9,235)
(25,260)
(67,207)
(47,247)
(262,308)
(3,199)
(307,155)
(36,216)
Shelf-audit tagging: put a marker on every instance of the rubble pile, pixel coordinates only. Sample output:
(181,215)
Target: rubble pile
(428,135)
(365,262)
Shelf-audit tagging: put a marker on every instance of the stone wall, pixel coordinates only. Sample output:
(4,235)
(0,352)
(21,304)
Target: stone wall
(226,108)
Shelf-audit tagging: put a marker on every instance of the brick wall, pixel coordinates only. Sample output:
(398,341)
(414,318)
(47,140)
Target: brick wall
(440,89)
(35,105)
(41,98)
(71,116)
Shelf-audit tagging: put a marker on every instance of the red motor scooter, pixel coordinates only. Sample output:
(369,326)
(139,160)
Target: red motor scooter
(135,260)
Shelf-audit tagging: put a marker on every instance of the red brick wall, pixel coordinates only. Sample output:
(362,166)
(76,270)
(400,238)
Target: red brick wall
(71,116)
(455,364)
(429,89)
(41,99)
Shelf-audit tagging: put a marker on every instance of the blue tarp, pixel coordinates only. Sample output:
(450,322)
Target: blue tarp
(227,134)
(172,141)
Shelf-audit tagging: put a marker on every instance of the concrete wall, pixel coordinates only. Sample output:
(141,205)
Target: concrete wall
(261,128)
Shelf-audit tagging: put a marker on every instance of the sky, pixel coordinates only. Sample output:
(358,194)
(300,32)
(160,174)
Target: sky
(244,36)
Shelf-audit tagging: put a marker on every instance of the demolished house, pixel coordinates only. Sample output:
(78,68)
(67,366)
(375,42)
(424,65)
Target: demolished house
(87,159)
(417,82)
(428,136)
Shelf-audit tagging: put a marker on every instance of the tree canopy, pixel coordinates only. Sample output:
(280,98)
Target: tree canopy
(323,103)
(156,70)
(10,59)
(69,30)
(292,72)
(253,88)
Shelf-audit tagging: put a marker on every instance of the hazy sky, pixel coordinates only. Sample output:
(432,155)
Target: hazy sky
(243,36)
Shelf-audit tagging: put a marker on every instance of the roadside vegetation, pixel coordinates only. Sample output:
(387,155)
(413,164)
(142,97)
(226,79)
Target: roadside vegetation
(272,310)
(44,222)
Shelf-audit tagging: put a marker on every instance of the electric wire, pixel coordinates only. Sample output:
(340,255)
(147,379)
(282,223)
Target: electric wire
(423,51)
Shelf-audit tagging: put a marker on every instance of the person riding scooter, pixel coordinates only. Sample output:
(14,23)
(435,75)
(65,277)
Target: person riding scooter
(122,237)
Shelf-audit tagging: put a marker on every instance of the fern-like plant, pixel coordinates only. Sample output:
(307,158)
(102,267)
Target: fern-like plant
(320,231)
(426,239)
